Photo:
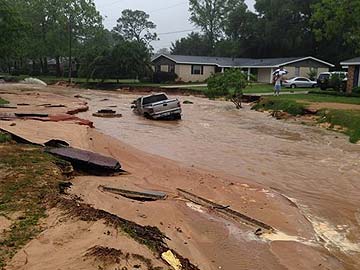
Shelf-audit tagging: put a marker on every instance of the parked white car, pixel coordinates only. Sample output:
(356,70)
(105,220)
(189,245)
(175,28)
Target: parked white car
(299,82)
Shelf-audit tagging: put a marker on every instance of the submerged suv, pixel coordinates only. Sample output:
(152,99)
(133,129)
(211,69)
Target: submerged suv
(325,81)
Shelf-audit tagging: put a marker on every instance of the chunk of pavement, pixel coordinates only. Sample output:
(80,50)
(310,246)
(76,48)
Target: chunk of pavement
(226,211)
(146,195)
(7,106)
(55,106)
(87,161)
(171,259)
(34,81)
(188,102)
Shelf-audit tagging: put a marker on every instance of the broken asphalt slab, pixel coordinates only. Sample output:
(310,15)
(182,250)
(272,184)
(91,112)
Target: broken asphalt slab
(87,161)
(145,195)
(227,212)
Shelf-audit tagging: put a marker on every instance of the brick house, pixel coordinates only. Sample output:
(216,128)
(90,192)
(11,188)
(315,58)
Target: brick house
(200,68)
(353,66)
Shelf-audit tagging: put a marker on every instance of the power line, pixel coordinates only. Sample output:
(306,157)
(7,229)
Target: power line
(177,32)
(112,3)
(169,7)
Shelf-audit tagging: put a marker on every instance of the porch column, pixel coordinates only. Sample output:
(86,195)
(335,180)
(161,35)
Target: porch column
(248,74)
(222,70)
(271,76)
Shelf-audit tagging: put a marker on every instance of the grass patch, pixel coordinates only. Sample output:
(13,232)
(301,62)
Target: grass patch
(349,119)
(3,101)
(297,104)
(255,88)
(4,137)
(27,177)
(276,104)
(320,98)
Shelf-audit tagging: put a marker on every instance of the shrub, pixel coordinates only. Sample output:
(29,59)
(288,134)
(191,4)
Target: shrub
(312,74)
(164,77)
(229,84)
(336,82)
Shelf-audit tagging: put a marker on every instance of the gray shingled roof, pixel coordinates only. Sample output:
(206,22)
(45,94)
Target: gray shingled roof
(353,60)
(232,62)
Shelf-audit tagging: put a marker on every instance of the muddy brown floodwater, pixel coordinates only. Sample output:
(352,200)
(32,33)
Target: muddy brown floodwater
(316,169)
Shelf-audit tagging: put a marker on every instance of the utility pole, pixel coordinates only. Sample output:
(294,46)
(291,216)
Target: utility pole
(70,48)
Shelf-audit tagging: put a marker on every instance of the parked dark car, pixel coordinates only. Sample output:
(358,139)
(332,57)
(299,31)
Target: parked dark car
(325,81)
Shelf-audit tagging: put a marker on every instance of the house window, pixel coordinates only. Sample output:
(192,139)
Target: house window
(297,71)
(164,68)
(197,70)
(157,68)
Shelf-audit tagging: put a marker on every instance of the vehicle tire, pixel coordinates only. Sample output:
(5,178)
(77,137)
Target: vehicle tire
(177,116)
(314,85)
(147,116)
(293,86)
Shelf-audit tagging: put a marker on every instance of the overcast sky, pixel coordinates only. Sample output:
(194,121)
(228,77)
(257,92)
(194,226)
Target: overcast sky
(169,15)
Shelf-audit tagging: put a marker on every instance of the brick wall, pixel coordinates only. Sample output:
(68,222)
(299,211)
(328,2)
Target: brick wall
(350,81)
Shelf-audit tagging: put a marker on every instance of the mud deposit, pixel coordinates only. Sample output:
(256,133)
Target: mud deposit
(319,170)
(302,181)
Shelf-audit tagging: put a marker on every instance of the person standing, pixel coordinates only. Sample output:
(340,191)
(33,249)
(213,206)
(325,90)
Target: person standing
(277,88)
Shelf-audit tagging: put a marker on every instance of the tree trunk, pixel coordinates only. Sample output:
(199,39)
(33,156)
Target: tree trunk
(41,66)
(46,70)
(33,66)
(58,69)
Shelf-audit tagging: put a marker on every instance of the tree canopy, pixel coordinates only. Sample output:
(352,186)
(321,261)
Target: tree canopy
(328,29)
(135,25)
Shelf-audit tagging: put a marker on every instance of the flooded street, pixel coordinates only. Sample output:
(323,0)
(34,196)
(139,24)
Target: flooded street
(302,181)
(316,169)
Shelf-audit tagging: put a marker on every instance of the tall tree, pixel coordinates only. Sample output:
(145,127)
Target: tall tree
(12,29)
(128,59)
(193,44)
(210,16)
(284,27)
(135,25)
(51,23)
(337,22)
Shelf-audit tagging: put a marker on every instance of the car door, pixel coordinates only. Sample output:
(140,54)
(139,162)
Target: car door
(299,82)
(302,82)
(307,82)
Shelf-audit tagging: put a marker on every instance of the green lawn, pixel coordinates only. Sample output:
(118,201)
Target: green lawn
(319,98)
(255,88)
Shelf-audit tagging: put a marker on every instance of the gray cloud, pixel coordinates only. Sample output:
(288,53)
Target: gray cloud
(170,16)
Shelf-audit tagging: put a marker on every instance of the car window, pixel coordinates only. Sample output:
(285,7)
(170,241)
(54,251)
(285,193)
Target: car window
(155,98)
(301,80)
(324,76)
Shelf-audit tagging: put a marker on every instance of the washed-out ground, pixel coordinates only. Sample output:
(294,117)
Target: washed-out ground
(301,180)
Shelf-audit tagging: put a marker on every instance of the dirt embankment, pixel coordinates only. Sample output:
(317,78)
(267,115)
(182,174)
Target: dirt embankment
(195,232)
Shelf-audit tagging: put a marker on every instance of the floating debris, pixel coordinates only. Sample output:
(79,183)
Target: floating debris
(31,115)
(107,113)
(188,102)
